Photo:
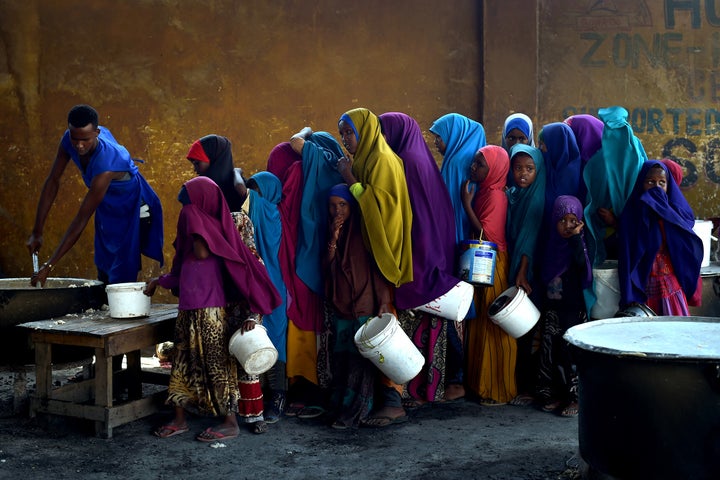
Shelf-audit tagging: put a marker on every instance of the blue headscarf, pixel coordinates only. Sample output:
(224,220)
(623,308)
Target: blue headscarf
(523,123)
(265,217)
(319,159)
(462,137)
(642,236)
(343,191)
(525,212)
(563,164)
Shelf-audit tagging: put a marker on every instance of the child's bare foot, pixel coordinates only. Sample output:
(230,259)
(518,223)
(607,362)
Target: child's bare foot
(454,391)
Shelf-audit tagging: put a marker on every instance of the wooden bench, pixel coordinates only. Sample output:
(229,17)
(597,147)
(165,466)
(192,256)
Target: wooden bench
(93,399)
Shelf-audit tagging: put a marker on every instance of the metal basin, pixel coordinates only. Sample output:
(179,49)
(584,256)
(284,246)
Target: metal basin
(649,396)
(20,303)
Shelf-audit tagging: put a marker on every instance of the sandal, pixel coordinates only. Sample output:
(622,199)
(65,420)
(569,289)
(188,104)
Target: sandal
(312,411)
(550,406)
(413,403)
(339,425)
(384,421)
(489,402)
(570,410)
(294,409)
(171,429)
(209,435)
(522,400)
(258,427)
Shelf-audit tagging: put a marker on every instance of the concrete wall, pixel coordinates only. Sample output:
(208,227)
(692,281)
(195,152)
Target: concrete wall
(163,73)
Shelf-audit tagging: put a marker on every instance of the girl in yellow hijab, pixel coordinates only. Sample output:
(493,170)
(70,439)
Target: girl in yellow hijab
(377,180)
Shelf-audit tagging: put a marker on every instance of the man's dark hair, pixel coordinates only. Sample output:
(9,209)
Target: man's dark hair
(81,115)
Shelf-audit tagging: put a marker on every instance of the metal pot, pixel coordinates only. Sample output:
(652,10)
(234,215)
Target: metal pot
(649,396)
(20,303)
(636,310)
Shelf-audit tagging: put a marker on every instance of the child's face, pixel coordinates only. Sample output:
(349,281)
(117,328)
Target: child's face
(523,168)
(347,134)
(655,178)
(479,168)
(200,167)
(439,144)
(568,225)
(515,136)
(339,208)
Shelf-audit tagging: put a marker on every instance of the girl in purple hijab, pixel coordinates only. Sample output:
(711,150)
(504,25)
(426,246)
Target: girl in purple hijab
(565,273)
(588,132)
(433,249)
(660,254)
(433,244)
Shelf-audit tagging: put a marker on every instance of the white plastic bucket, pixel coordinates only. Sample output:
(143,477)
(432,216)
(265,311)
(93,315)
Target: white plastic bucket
(452,305)
(606,285)
(127,300)
(387,346)
(254,350)
(703,229)
(514,312)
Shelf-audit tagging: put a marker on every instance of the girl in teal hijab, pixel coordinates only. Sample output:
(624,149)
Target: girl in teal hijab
(525,211)
(610,177)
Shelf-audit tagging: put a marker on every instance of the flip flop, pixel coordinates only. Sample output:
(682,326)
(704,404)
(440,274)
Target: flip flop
(570,410)
(522,400)
(550,406)
(311,412)
(489,402)
(294,409)
(174,430)
(383,421)
(213,436)
(413,403)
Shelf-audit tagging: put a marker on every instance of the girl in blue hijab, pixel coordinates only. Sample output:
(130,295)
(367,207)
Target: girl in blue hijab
(660,254)
(457,138)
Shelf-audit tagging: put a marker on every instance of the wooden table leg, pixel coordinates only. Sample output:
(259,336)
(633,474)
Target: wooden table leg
(43,373)
(134,371)
(103,390)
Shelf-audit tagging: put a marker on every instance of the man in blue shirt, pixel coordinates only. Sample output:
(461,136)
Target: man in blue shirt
(128,213)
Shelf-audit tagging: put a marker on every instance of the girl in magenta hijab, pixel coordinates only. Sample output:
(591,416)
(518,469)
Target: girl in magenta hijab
(212,269)
(565,274)
(660,254)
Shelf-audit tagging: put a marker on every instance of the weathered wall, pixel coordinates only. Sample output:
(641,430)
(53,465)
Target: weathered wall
(657,58)
(162,73)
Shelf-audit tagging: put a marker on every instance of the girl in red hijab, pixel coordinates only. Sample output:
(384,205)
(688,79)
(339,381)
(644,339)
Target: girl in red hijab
(491,353)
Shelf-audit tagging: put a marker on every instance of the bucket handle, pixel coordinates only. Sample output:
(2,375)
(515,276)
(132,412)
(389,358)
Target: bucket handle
(364,341)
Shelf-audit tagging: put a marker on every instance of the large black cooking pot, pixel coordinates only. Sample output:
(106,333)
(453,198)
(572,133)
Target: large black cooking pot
(649,396)
(20,303)
(710,292)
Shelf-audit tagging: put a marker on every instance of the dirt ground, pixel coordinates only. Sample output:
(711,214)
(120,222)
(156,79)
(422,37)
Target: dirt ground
(462,440)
